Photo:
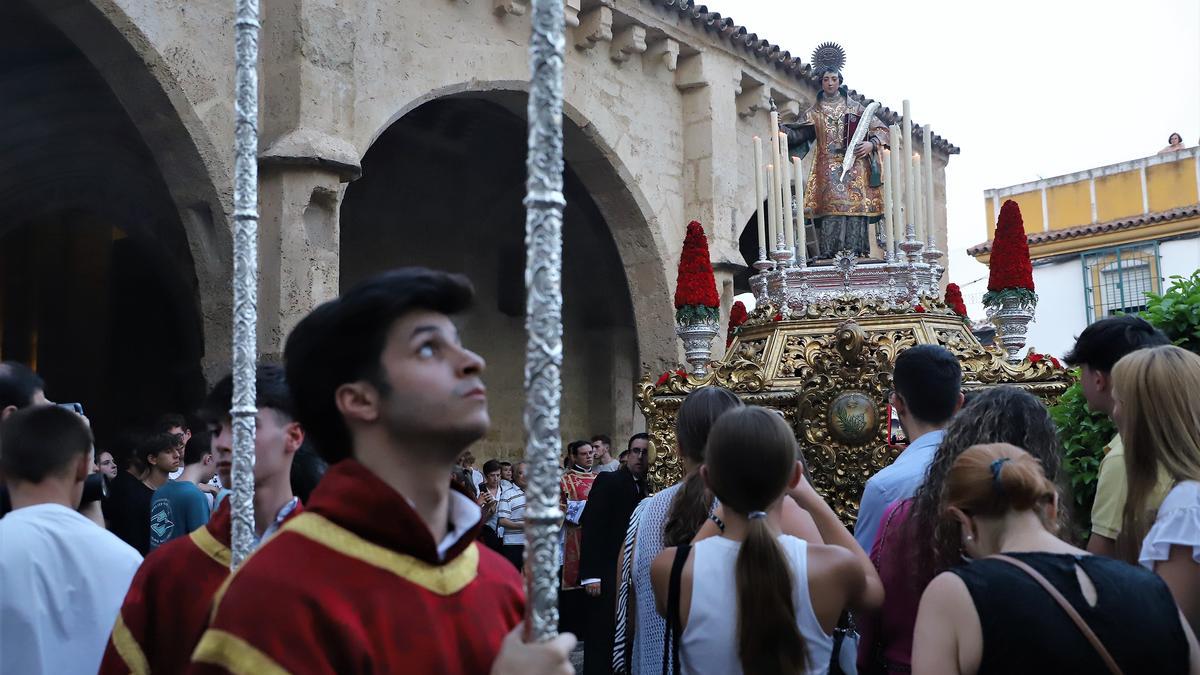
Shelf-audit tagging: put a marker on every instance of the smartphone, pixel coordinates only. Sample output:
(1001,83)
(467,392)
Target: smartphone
(895,432)
(76,408)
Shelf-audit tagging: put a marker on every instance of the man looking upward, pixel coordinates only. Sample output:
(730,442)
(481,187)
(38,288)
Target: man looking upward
(382,572)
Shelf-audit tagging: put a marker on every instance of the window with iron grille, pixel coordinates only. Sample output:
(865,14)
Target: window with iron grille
(1116,280)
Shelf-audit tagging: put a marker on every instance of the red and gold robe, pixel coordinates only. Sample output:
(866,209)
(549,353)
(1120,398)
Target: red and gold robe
(355,584)
(575,486)
(169,600)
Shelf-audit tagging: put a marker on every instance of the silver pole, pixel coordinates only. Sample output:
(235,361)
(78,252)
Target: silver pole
(544,204)
(245,276)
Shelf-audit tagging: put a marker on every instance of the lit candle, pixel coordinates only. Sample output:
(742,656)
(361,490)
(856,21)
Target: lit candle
(772,208)
(785,178)
(801,234)
(927,212)
(758,198)
(906,164)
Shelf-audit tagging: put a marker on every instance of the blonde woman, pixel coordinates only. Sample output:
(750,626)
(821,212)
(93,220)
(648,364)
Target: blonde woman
(1157,409)
(1029,602)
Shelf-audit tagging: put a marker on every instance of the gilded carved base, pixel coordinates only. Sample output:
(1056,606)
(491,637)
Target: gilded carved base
(829,371)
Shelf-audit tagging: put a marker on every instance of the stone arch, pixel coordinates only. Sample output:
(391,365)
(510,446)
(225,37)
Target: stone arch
(610,308)
(591,154)
(109,186)
(185,155)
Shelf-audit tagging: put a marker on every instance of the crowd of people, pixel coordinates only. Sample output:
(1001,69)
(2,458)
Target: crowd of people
(380,547)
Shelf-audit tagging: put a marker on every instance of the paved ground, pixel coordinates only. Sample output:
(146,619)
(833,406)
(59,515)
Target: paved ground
(577,658)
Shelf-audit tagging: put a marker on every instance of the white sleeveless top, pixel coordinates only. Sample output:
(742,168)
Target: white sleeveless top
(709,643)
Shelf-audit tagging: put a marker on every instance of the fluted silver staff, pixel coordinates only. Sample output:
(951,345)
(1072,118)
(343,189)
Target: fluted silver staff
(544,204)
(245,276)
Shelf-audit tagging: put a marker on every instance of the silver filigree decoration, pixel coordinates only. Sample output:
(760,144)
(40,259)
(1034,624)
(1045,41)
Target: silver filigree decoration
(544,204)
(245,276)
(697,343)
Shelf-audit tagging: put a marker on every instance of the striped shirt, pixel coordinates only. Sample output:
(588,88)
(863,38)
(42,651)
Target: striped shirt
(512,507)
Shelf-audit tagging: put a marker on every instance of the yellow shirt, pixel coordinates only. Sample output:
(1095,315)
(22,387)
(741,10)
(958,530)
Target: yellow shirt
(1111,486)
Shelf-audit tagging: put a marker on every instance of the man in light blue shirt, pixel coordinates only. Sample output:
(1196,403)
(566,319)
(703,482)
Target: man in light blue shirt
(927,394)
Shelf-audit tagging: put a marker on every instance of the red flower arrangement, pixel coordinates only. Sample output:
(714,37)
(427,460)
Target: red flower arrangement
(662,379)
(1011,269)
(919,309)
(695,287)
(954,298)
(1035,357)
(737,317)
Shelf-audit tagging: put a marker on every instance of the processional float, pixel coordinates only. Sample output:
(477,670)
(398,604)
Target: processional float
(822,341)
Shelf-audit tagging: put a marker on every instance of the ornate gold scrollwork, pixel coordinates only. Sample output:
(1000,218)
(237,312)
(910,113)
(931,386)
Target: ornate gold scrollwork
(830,372)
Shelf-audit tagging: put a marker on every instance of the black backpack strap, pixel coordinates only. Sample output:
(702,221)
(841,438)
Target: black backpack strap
(671,666)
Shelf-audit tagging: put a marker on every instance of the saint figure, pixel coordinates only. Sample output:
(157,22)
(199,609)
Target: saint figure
(840,210)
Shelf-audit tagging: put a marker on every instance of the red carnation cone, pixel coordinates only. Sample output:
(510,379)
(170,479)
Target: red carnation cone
(954,300)
(737,317)
(1010,267)
(695,287)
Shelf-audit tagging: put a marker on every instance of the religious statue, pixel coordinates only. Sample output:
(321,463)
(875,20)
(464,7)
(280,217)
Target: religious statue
(840,204)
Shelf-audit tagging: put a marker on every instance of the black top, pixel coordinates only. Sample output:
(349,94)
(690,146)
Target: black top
(1026,631)
(605,519)
(127,511)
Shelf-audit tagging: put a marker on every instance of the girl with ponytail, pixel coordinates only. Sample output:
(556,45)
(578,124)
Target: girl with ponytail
(754,600)
(1011,609)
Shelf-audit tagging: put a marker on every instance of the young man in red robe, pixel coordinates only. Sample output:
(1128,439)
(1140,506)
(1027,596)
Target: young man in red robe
(169,601)
(381,573)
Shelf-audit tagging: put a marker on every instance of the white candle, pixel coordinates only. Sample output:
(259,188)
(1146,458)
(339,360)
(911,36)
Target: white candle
(927,212)
(918,200)
(758,196)
(801,234)
(897,191)
(772,208)
(887,200)
(906,164)
(786,194)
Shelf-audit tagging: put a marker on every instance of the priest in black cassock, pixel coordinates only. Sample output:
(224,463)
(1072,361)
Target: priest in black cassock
(605,519)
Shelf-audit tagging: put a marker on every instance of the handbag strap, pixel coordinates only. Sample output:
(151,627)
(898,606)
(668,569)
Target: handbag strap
(671,646)
(1066,606)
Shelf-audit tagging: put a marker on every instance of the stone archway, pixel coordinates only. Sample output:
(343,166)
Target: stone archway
(442,186)
(97,283)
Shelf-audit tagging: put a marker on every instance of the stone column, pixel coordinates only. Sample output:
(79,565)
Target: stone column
(307,121)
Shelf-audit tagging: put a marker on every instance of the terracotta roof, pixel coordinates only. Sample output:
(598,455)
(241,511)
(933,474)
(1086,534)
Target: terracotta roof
(741,37)
(1098,228)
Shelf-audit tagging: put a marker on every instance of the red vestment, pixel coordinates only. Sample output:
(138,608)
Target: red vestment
(169,600)
(576,485)
(356,585)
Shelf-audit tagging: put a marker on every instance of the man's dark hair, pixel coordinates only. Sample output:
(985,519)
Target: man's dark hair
(929,379)
(168,421)
(270,391)
(199,445)
(573,449)
(18,384)
(490,466)
(505,464)
(636,437)
(1106,341)
(342,341)
(39,442)
(623,455)
(124,449)
(307,470)
(154,444)
(603,439)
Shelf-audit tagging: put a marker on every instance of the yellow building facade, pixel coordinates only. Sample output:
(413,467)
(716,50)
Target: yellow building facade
(1104,238)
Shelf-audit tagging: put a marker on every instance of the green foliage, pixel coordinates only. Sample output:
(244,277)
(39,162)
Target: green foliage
(1177,311)
(691,314)
(1084,434)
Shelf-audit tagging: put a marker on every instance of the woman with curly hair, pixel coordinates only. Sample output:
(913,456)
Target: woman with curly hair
(914,544)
